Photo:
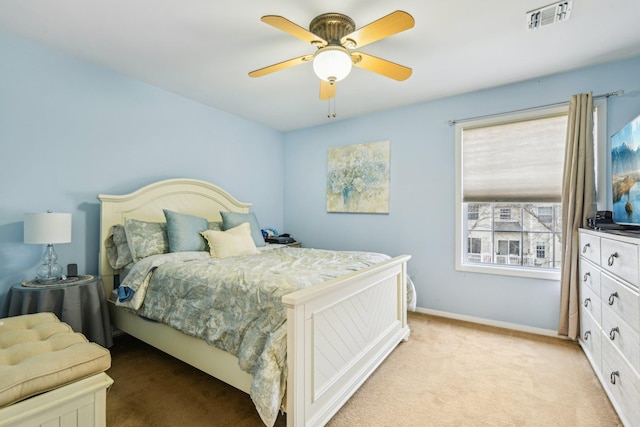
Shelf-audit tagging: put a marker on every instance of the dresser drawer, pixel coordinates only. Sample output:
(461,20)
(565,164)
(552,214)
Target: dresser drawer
(590,275)
(590,247)
(622,336)
(622,383)
(620,258)
(590,339)
(610,307)
(623,301)
(590,303)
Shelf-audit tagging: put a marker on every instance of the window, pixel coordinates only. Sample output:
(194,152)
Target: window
(474,248)
(505,214)
(509,178)
(545,214)
(541,250)
(473,211)
(508,252)
(475,245)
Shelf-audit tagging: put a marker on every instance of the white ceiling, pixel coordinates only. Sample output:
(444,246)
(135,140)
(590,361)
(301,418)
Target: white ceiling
(203,50)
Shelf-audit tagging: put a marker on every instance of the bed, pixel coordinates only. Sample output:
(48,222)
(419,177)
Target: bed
(337,331)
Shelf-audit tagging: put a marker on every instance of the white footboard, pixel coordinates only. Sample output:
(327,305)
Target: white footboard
(338,334)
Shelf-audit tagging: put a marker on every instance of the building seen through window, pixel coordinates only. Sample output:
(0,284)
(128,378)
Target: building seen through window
(515,234)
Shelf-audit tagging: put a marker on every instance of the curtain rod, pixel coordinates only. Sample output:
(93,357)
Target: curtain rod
(557,104)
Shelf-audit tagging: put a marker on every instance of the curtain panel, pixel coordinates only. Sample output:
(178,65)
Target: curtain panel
(578,203)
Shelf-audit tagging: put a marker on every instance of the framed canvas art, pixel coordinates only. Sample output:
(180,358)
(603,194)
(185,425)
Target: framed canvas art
(358,178)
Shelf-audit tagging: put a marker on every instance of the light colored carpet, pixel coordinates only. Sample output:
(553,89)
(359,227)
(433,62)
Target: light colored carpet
(449,373)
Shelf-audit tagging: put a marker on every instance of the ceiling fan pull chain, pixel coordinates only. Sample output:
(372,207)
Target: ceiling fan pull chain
(329,113)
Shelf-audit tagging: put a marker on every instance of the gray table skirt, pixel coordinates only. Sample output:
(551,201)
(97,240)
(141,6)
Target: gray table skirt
(83,307)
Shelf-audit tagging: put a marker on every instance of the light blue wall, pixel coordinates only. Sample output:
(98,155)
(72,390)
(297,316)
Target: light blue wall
(70,130)
(422,206)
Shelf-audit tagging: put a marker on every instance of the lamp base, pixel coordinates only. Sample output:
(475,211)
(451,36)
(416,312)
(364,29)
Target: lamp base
(49,269)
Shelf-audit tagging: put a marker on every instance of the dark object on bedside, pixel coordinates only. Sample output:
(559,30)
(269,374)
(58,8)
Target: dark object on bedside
(72,270)
(282,239)
(602,217)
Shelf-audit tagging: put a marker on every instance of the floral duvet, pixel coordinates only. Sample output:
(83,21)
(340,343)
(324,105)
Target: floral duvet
(236,305)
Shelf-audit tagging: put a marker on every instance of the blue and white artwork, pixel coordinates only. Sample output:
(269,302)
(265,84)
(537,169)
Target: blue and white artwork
(358,178)
(625,169)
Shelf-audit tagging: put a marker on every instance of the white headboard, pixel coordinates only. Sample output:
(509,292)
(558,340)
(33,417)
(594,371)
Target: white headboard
(189,196)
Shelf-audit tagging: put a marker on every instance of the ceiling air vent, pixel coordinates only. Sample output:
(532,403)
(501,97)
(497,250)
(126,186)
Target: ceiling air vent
(547,15)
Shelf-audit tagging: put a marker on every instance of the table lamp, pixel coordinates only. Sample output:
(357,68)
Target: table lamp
(47,229)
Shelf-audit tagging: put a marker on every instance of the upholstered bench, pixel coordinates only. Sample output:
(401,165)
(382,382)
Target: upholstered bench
(48,373)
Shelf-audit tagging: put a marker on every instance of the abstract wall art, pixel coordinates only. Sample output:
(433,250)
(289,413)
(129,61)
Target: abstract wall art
(358,178)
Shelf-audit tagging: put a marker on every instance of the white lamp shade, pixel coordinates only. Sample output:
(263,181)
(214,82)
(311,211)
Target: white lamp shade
(332,63)
(45,228)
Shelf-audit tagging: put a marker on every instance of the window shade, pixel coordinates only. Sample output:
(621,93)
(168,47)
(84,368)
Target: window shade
(519,161)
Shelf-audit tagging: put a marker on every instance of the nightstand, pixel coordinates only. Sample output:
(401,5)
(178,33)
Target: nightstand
(82,306)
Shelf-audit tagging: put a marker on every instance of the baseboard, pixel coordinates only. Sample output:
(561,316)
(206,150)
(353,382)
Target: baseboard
(489,322)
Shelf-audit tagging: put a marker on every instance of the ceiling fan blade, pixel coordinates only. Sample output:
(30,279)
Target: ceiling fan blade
(327,90)
(381,66)
(386,26)
(281,66)
(295,30)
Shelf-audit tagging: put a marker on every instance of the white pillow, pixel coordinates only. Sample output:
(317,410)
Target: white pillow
(233,242)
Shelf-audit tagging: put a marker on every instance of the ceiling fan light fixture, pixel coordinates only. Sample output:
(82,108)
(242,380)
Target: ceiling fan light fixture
(332,63)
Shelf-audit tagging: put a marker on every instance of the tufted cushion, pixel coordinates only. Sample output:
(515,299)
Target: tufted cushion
(39,353)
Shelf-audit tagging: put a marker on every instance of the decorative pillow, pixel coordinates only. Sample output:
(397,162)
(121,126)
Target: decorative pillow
(233,219)
(111,251)
(118,253)
(146,238)
(215,225)
(233,242)
(184,230)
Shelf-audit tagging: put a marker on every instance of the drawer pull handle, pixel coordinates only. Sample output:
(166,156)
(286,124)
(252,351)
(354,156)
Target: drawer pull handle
(586,335)
(612,298)
(613,376)
(585,247)
(611,258)
(612,333)
(586,302)
(586,276)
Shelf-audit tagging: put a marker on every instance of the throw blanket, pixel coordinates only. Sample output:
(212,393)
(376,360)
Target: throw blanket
(236,305)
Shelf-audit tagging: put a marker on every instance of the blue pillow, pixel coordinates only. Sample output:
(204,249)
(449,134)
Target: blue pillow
(234,219)
(183,232)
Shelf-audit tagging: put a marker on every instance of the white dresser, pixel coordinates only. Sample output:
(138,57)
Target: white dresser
(610,316)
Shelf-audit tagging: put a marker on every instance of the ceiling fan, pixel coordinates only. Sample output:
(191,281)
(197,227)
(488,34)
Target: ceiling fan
(334,35)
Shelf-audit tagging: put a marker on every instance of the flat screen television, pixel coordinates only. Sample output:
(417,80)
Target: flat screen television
(625,174)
